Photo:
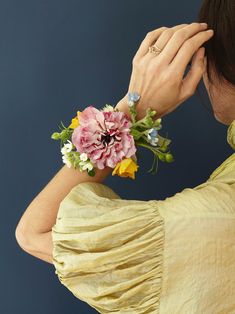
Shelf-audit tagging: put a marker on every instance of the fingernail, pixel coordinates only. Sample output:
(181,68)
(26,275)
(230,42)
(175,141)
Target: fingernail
(210,31)
(203,24)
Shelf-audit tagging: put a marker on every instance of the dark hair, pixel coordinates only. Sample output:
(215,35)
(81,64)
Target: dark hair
(220,49)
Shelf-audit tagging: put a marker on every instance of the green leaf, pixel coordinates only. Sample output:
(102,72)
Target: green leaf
(163,141)
(65,135)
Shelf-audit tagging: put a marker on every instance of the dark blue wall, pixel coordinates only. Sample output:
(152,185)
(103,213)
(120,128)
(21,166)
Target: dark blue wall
(57,57)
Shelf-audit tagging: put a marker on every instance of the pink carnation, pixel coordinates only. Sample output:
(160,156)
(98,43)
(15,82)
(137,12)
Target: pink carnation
(104,136)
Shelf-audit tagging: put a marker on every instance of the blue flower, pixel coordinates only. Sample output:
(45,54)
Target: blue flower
(132,98)
(152,136)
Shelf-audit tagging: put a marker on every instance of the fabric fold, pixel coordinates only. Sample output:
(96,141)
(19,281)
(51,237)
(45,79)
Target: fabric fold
(108,251)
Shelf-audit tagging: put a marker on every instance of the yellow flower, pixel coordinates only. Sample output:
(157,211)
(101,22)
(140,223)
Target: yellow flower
(126,168)
(75,122)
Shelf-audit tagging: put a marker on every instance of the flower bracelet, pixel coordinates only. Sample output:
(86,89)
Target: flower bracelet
(109,137)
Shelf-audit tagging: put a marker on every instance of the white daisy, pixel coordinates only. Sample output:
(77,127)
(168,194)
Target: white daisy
(66,161)
(108,108)
(86,165)
(67,147)
(83,157)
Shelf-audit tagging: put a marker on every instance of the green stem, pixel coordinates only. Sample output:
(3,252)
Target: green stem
(147,146)
(154,167)
(139,123)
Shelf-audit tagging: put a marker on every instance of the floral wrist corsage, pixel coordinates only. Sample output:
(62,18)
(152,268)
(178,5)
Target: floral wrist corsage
(108,138)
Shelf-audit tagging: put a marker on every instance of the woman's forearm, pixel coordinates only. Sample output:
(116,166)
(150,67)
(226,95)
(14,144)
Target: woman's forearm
(40,215)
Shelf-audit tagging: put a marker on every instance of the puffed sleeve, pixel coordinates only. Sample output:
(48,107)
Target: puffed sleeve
(108,251)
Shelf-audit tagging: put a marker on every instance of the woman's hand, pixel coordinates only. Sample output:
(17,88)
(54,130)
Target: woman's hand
(159,78)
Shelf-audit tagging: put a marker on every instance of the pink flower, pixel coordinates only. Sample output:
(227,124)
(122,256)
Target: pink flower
(104,136)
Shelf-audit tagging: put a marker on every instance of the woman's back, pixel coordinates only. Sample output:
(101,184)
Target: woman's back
(199,250)
(130,256)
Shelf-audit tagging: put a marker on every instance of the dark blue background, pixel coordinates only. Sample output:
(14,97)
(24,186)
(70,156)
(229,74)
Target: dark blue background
(57,57)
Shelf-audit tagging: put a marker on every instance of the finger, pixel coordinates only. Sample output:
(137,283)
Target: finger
(178,39)
(187,51)
(149,38)
(164,37)
(193,77)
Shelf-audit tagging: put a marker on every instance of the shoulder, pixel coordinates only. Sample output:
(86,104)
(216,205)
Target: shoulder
(214,197)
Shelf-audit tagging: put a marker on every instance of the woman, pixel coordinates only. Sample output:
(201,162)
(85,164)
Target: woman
(131,256)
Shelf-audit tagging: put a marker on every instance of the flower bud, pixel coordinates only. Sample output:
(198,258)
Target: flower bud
(91,173)
(161,156)
(169,157)
(149,121)
(153,113)
(55,136)
(164,148)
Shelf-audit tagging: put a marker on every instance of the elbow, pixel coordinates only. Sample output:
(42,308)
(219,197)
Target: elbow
(23,238)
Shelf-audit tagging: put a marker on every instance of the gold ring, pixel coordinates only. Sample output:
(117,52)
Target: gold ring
(155,49)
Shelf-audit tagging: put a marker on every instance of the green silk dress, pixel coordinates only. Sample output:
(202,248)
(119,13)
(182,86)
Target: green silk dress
(172,256)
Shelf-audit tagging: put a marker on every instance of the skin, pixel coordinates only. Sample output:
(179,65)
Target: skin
(159,80)
(180,45)
(222,97)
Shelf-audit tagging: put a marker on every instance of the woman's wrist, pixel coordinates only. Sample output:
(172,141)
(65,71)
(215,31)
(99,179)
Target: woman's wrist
(122,105)
(96,139)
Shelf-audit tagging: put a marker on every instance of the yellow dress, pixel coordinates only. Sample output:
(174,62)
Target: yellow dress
(173,256)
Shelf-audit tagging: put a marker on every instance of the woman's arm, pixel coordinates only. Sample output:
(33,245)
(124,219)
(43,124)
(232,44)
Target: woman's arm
(33,232)
(161,83)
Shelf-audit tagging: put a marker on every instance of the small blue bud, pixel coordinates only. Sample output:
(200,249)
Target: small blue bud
(133,97)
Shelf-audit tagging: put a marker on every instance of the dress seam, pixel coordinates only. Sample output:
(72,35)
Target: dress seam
(162,262)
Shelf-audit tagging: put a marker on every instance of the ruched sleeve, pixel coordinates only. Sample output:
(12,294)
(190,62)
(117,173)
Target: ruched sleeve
(108,251)
(147,257)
